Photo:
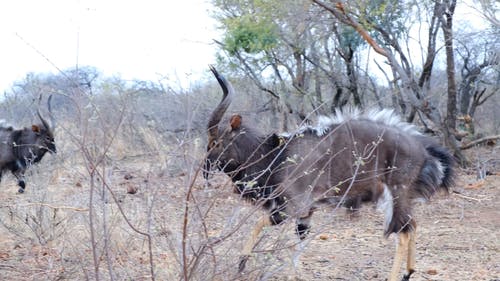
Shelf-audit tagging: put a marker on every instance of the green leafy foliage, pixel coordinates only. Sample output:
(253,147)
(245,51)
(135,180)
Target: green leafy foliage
(388,14)
(349,38)
(250,35)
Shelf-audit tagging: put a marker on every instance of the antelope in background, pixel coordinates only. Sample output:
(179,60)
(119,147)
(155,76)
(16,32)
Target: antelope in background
(346,160)
(20,148)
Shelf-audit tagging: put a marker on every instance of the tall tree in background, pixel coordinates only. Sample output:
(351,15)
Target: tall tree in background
(447,10)
(293,54)
(384,36)
(404,73)
(490,11)
(306,54)
(478,60)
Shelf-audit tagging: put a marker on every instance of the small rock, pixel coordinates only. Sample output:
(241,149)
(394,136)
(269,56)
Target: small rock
(131,189)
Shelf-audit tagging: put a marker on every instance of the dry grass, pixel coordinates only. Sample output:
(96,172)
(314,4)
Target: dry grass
(77,220)
(46,233)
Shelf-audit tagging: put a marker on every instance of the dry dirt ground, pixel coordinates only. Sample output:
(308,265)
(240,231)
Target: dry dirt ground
(45,234)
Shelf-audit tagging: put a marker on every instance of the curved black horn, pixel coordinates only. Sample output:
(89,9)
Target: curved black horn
(228,92)
(48,126)
(52,119)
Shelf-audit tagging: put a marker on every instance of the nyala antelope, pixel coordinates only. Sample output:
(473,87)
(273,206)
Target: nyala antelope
(20,148)
(347,159)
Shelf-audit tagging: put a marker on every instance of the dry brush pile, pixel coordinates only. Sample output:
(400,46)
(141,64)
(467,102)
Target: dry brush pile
(122,199)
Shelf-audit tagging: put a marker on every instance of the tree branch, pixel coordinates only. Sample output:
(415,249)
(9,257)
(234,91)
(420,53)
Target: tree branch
(341,15)
(251,73)
(479,141)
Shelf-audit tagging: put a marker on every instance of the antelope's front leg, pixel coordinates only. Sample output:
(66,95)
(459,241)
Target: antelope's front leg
(302,229)
(247,249)
(19,174)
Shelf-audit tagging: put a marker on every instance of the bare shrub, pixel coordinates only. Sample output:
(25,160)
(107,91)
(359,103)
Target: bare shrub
(77,221)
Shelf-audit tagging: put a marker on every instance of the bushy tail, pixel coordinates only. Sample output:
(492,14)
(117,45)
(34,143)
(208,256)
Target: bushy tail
(447,162)
(436,173)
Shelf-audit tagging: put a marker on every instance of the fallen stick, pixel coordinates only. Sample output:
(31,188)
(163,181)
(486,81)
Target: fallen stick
(59,207)
(478,141)
(466,197)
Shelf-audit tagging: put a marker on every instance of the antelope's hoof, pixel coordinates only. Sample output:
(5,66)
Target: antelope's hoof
(243,262)
(406,277)
(20,190)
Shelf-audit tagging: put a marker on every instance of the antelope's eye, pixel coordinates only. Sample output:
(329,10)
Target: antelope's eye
(212,144)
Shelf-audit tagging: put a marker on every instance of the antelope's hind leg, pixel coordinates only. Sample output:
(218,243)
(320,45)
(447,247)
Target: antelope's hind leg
(401,251)
(405,248)
(410,262)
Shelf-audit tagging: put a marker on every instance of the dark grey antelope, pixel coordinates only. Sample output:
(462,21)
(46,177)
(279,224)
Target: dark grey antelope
(19,148)
(347,159)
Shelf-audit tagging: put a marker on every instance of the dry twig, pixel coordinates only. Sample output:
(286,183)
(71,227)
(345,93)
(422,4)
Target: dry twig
(466,197)
(58,207)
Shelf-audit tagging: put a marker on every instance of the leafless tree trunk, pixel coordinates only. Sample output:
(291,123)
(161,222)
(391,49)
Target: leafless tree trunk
(348,57)
(447,10)
(404,78)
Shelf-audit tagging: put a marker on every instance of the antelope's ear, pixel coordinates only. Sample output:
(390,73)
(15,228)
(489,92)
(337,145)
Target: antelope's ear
(35,128)
(235,121)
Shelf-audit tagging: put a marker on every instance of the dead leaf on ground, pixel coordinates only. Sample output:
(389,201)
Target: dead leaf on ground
(432,272)
(323,237)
